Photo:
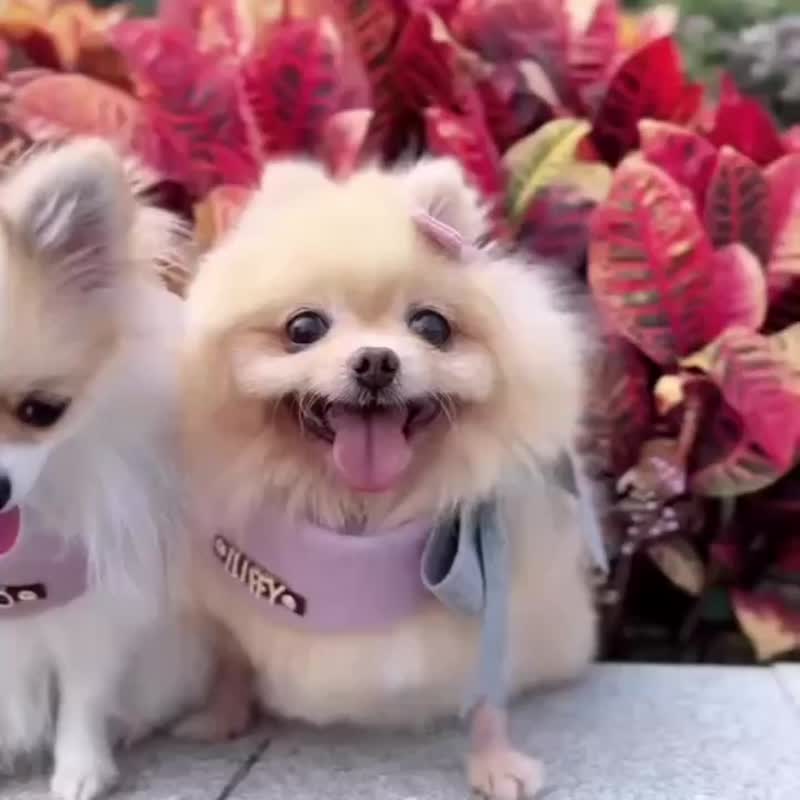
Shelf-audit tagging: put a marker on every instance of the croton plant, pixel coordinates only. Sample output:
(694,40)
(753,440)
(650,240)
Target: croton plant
(679,208)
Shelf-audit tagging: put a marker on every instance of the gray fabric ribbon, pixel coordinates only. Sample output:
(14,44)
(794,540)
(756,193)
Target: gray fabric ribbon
(465,564)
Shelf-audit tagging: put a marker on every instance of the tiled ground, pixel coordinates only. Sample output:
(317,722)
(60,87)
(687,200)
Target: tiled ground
(627,733)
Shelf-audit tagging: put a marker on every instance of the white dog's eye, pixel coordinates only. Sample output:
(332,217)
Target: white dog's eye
(431,326)
(306,328)
(41,411)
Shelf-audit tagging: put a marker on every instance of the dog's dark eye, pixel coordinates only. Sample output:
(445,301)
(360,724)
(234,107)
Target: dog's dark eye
(306,328)
(430,326)
(41,411)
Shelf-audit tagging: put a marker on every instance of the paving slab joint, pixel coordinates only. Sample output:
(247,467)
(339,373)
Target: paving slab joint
(244,770)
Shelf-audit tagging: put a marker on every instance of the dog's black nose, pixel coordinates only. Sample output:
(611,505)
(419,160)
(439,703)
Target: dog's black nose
(5,491)
(374,368)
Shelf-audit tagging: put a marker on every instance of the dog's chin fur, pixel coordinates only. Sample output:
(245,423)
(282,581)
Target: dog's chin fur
(85,317)
(510,386)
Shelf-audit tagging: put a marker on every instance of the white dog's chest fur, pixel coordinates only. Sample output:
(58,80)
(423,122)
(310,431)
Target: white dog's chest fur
(420,669)
(111,484)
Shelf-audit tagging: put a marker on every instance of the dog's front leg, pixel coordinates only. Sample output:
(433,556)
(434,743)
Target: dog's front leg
(228,710)
(495,768)
(84,762)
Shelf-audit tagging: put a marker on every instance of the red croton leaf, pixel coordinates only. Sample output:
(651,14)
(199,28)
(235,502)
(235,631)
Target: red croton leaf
(726,462)
(783,272)
(197,133)
(555,227)
(426,67)
(215,24)
(466,138)
(737,204)
(295,80)
(591,54)
(688,157)
(504,31)
(650,264)
(516,99)
(372,28)
(648,84)
(743,123)
(620,416)
(758,378)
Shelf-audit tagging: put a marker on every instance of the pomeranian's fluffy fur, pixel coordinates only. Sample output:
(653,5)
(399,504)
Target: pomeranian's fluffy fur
(508,390)
(88,327)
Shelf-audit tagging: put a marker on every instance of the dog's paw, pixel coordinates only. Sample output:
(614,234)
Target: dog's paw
(82,778)
(505,774)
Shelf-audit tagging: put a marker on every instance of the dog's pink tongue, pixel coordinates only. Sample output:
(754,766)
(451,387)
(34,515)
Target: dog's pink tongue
(370,451)
(9,530)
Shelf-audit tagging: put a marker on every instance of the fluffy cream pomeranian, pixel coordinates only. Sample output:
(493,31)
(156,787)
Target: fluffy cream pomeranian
(359,376)
(89,500)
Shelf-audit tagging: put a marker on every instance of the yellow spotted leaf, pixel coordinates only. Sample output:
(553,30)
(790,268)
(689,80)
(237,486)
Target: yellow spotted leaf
(540,160)
(679,561)
(767,629)
(591,178)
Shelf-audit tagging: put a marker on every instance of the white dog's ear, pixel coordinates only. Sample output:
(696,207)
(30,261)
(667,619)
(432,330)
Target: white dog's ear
(440,189)
(74,208)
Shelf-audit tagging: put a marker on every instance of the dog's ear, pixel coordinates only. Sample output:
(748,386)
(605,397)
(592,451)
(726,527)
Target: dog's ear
(73,208)
(440,189)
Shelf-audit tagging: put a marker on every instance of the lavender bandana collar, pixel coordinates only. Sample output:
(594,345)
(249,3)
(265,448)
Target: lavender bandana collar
(305,575)
(39,570)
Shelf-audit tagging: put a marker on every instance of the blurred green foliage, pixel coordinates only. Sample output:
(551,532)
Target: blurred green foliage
(757,41)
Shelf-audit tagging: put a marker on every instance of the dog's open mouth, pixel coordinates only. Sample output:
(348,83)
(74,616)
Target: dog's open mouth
(370,443)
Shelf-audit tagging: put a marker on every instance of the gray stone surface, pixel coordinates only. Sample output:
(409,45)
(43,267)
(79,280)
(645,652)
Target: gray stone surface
(628,733)
(166,770)
(789,678)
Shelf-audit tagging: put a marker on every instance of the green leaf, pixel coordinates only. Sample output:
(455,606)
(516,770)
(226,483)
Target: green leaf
(540,159)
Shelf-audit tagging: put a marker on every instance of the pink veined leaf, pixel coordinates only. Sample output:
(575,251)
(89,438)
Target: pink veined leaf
(426,68)
(215,24)
(344,139)
(295,80)
(197,133)
(783,180)
(69,104)
(511,104)
(758,380)
(650,264)
(591,54)
(739,290)
(737,204)
(688,157)
(555,226)
(503,31)
(783,271)
(467,139)
(617,424)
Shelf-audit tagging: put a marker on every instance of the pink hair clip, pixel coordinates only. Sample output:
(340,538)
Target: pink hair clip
(443,236)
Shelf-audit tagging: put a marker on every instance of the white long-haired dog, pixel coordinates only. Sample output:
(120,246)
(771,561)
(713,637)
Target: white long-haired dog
(371,399)
(89,497)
